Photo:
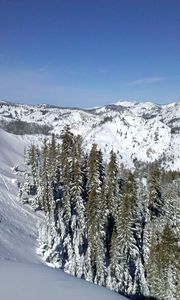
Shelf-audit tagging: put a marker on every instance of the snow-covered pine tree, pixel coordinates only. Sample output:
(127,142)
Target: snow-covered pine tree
(34,178)
(125,258)
(45,192)
(65,205)
(113,200)
(142,241)
(164,266)
(95,222)
(101,271)
(33,160)
(153,209)
(24,188)
(52,156)
(112,186)
(28,183)
(75,264)
(67,148)
(171,194)
(156,201)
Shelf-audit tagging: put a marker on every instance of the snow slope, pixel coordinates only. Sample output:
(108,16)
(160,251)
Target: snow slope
(22,273)
(136,131)
(18,224)
(38,282)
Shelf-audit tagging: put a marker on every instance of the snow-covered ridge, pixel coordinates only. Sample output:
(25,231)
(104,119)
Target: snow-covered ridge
(136,131)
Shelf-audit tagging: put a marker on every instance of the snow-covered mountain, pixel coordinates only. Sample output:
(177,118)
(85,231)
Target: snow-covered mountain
(136,131)
(23,274)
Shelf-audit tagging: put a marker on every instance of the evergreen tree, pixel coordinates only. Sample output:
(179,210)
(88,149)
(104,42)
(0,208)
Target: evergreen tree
(125,257)
(78,213)
(113,200)
(164,266)
(52,153)
(156,201)
(94,213)
(33,159)
(112,184)
(45,191)
(67,148)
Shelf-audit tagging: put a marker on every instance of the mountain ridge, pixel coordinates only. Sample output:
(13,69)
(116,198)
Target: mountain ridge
(137,131)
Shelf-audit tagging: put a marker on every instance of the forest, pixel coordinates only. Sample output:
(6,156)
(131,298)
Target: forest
(115,227)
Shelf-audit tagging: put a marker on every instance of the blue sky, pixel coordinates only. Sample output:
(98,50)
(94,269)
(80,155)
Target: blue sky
(89,52)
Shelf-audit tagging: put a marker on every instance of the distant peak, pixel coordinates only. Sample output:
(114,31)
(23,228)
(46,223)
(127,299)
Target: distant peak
(125,103)
(3,102)
(172,104)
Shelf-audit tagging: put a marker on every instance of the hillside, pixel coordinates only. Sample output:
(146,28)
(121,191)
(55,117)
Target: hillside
(137,132)
(18,224)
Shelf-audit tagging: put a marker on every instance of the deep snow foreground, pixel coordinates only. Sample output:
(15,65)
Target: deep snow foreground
(37,282)
(22,273)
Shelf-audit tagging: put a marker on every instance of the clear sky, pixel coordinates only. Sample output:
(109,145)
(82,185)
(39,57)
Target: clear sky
(89,52)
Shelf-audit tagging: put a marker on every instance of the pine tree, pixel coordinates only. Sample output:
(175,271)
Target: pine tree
(53,157)
(156,201)
(76,264)
(24,189)
(125,257)
(45,191)
(34,183)
(34,164)
(113,199)
(101,271)
(164,266)
(94,213)
(67,148)
(112,185)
